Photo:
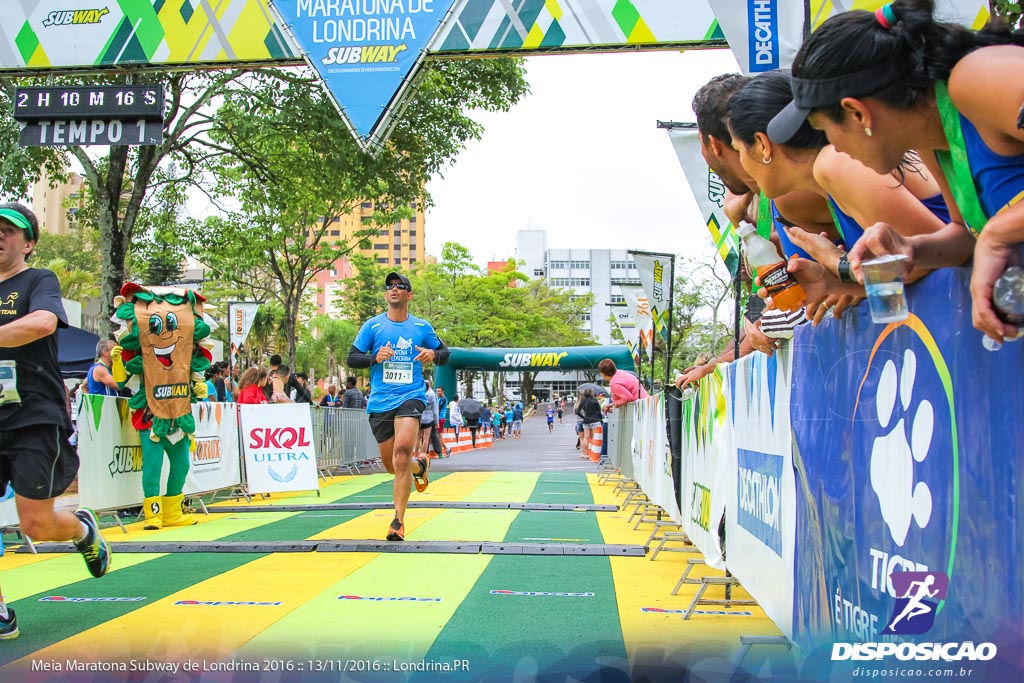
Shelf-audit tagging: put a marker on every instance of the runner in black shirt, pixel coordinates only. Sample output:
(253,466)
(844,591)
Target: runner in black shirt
(35,457)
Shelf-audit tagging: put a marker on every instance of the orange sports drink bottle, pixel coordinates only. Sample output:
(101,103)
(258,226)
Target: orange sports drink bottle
(785,291)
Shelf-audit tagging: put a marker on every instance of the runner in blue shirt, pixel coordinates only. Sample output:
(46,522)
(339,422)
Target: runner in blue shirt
(395,345)
(550,412)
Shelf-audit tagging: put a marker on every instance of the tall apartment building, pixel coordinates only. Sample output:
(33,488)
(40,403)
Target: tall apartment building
(399,245)
(48,203)
(600,272)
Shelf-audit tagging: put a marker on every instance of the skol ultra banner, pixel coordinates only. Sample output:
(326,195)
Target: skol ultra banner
(50,34)
(707,442)
(760,514)
(909,466)
(656,274)
(640,310)
(709,193)
(280,451)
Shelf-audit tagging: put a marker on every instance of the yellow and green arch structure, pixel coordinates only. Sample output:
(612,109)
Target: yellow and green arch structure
(377,615)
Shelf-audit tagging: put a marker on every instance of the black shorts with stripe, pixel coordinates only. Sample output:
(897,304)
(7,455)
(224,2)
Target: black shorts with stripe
(37,460)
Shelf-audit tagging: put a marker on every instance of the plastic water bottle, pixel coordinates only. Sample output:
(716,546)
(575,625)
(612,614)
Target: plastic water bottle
(1008,301)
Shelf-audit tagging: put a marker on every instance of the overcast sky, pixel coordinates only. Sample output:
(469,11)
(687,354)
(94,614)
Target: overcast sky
(582,158)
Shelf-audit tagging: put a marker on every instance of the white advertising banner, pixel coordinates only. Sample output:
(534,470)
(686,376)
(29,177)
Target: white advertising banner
(8,509)
(656,273)
(110,455)
(760,512)
(708,191)
(652,459)
(280,454)
(629,329)
(240,319)
(706,447)
(640,310)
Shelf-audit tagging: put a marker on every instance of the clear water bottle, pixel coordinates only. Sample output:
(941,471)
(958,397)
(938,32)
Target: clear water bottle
(1008,301)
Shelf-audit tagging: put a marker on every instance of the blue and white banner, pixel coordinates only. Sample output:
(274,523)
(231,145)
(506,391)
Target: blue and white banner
(652,460)
(909,458)
(366,51)
(760,520)
(763,34)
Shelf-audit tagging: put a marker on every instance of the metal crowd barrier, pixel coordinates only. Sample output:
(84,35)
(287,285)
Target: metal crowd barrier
(344,440)
(619,433)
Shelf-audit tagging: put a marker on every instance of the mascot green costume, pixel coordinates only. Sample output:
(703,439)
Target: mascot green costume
(159,346)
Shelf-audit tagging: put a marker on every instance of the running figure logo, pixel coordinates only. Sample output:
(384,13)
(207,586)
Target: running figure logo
(914,612)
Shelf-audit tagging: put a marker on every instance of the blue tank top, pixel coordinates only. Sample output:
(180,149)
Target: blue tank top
(98,388)
(999,179)
(937,205)
(788,248)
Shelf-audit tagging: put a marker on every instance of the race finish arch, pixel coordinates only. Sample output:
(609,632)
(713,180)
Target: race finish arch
(531,360)
(368,53)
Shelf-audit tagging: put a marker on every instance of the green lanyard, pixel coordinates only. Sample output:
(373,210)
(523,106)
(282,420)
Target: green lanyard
(955,163)
(835,220)
(764,217)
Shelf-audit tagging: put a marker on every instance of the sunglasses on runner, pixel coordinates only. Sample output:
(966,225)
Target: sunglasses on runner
(396,285)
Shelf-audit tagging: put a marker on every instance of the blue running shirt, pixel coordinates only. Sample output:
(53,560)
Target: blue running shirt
(400,378)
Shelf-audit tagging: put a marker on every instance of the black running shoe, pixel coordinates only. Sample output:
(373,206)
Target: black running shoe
(396,532)
(94,548)
(9,628)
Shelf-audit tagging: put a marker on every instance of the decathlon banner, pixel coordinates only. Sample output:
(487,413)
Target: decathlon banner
(110,472)
(652,460)
(640,310)
(656,274)
(279,451)
(366,51)
(911,459)
(706,459)
(708,191)
(497,26)
(760,512)
(52,34)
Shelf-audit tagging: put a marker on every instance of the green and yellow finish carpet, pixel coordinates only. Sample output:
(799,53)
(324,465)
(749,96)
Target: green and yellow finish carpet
(334,616)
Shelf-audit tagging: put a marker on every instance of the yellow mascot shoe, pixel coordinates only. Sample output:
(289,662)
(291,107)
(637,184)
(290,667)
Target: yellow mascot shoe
(152,509)
(174,511)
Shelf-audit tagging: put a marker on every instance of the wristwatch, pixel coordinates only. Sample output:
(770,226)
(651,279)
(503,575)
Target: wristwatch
(844,271)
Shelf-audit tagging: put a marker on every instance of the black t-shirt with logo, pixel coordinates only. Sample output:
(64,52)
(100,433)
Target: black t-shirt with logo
(39,382)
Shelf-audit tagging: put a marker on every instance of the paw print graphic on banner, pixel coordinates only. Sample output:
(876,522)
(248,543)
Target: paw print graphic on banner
(902,500)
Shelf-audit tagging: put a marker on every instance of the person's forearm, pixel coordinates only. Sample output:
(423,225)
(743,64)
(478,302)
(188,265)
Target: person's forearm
(32,327)
(949,247)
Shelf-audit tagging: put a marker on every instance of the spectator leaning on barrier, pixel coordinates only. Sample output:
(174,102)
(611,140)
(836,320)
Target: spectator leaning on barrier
(35,456)
(880,84)
(624,386)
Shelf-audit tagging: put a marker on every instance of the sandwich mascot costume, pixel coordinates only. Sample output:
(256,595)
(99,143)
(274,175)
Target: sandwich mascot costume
(159,343)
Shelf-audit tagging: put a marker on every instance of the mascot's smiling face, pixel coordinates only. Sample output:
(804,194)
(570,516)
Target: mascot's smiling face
(165,331)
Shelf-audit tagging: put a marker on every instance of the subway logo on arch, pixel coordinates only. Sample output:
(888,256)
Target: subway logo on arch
(763,34)
(526,360)
(364,54)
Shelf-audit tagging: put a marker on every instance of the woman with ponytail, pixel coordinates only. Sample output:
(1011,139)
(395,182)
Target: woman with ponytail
(882,83)
(849,194)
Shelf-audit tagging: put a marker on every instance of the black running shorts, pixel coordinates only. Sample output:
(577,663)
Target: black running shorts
(37,461)
(383,424)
